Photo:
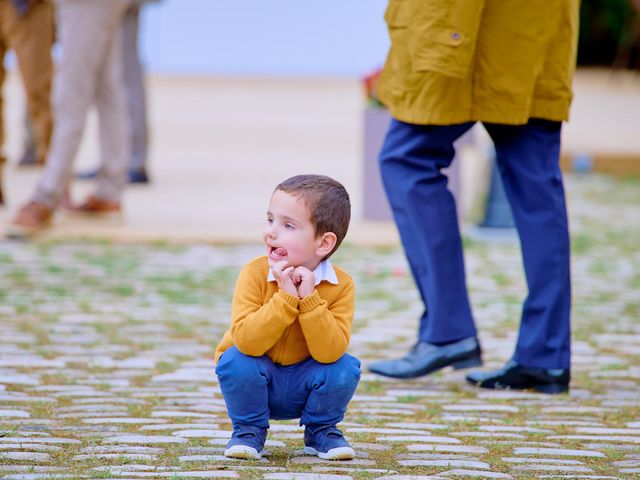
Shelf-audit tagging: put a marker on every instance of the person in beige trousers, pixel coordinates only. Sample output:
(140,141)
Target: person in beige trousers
(27,27)
(90,73)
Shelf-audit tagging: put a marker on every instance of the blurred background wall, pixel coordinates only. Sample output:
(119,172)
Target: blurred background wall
(329,38)
(257,37)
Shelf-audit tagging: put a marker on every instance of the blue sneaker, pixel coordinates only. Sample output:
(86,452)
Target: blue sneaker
(247,443)
(328,443)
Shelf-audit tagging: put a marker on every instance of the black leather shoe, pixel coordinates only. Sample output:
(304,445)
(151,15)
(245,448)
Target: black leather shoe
(134,175)
(138,175)
(425,358)
(518,377)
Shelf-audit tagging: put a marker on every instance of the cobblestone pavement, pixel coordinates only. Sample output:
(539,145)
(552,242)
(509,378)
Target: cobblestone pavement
(106,364)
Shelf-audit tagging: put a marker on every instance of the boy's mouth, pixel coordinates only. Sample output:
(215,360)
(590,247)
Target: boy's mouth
(277,252)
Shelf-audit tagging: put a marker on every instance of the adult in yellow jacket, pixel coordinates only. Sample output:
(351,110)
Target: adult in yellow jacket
(284,356)
(508,65)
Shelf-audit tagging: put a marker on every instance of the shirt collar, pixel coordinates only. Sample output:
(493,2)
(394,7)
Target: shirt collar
(323,272)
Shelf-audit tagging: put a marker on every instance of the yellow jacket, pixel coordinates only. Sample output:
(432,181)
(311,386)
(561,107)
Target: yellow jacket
(267,320)
(499,61)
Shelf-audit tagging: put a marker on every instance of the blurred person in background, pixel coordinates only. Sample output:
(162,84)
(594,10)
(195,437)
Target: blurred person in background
(27,27)
(90,73)
(136,96)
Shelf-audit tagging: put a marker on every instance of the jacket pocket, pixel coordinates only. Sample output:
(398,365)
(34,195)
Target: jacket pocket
(444,35)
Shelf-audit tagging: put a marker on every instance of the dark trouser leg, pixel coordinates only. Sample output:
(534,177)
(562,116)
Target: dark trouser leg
(424,210)
(330,387)
(244,384)
(528,159)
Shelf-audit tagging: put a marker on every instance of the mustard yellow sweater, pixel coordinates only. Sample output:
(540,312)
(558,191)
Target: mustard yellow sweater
(267,320)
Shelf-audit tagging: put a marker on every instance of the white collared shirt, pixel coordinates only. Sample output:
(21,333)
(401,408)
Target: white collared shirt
(323,272)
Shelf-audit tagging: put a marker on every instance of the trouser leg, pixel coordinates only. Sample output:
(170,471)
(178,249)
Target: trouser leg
(244,384)
(411,163)
(32,39)
(85,30)
(4,7)
(331,387)
(135,89)
(113,117)
(528,159)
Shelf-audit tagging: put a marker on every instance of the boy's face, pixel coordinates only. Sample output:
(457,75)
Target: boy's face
(289,234)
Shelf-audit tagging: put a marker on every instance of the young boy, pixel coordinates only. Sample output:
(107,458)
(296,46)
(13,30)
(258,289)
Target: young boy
(284,355)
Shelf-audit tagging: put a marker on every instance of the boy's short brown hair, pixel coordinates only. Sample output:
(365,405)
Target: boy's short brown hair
(327,201)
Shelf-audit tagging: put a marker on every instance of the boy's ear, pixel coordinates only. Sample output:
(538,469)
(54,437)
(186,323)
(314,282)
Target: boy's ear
(326,242)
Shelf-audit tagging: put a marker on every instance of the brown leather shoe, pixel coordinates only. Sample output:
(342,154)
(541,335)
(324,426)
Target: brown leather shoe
(30,219)
(98,207)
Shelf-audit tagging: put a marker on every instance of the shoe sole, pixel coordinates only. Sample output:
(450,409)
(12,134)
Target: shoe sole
(549,388)
(242,452)
(340,453)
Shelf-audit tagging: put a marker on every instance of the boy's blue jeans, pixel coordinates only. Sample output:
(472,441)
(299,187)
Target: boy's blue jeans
(255,389)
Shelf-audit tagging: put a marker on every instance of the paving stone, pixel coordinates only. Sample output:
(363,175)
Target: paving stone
(617,446)
(609,431)
(179,414)
(444,463)
(408,477)
(14,414)
(488,435)
(545,461)
(421,447)
(179,426)
(123,421)
(591,438)
(370,446)
(557,451)
(22,456)
(115,456)
(142,439)
(36,476)
(473,473)
(574,476)
(203,433)
(182,474)
(122,449)
(553,468)
(417,438)
(29,446)
(305,476)
(312,460)
(19,379)
(418,426)
(38,439)
(482,408)
(385,430)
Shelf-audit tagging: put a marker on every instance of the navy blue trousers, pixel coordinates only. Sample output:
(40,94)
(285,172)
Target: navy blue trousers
(527,156)
(255,389)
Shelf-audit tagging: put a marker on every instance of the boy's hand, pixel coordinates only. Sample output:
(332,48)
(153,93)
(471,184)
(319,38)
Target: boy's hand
(283,276)
(304,280)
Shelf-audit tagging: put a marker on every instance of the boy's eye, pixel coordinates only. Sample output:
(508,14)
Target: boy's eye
(289,226)
(269,220)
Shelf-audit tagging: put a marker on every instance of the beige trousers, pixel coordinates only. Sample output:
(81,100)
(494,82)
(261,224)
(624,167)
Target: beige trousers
(89,74)
(31,37)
